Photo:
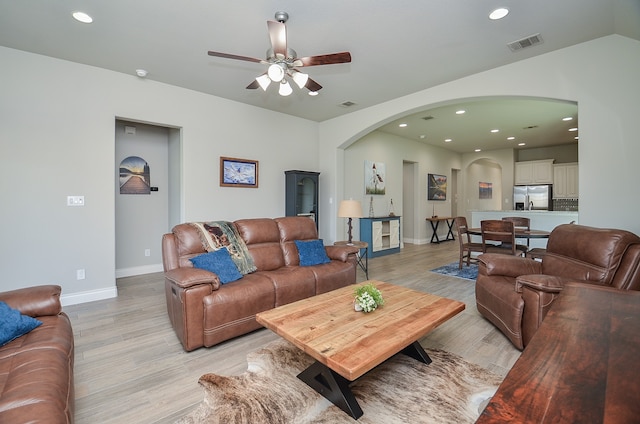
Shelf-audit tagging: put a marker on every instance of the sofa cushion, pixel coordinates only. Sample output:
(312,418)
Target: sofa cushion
(13,324)
(312,252)
(219,262)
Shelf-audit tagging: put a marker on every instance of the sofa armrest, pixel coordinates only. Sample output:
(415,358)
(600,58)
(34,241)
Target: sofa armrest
(189,277)
(340,253)
(37,301)
(506,265)
(543,283)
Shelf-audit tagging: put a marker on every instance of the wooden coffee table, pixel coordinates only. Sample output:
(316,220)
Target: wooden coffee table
(347,344)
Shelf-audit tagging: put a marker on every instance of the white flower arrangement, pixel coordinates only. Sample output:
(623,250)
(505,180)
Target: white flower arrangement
(368,298)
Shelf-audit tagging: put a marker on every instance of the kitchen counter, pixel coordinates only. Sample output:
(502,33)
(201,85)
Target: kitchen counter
(540,220)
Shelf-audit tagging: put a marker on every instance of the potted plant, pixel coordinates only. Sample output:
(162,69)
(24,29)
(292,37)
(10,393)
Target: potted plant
(368,298)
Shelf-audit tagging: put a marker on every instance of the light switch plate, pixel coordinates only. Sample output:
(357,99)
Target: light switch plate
(75,200)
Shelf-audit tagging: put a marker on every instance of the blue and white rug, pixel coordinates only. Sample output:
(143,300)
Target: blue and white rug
(467,272)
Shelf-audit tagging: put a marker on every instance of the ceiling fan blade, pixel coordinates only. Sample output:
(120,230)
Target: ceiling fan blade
(236,57)
(278,36)
(325,59)
(254,84)
(311,85)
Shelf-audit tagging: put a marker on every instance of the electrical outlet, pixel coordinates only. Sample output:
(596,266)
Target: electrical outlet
(80,274)
(147,252)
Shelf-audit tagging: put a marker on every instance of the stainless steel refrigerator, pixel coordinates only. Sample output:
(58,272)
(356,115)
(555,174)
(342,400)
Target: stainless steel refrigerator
(533,197)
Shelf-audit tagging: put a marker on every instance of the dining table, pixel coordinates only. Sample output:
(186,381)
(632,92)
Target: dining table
(520,233)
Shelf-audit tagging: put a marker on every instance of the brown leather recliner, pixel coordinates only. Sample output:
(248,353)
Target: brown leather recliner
(516,293)
(204,312)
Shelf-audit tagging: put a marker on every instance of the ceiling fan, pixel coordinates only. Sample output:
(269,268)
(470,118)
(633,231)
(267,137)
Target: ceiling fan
(283,61)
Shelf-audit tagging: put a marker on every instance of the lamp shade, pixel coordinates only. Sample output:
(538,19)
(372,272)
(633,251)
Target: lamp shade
(350,209)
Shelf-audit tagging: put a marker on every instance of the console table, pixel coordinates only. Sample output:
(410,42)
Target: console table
(434,221)
(581,366)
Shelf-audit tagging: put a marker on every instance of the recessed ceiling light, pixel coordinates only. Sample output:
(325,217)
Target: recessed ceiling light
(448,140)
(141,73)
(511,138)
(498,13)
(422,136)
(460,112)
(82,17)
(402,125)
(495,130)
(568,118)
(573,129)
(522,144)
(478,150)
(313,93)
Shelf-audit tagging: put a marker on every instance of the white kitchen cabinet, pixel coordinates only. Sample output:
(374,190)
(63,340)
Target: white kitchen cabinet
(565,181)
(534,172)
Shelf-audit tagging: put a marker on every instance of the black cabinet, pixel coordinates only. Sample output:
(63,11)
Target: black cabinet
(302,194)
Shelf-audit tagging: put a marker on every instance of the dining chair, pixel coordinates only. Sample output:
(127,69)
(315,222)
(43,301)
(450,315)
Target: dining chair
(503,234)
(464,240)
(520,222)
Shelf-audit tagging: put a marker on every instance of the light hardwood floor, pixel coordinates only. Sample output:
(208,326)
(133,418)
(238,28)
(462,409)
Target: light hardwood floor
(131,368)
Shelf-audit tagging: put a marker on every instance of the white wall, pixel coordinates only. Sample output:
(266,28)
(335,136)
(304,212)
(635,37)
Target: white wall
(600,75)
(57,139)
(58,123)
(394,151)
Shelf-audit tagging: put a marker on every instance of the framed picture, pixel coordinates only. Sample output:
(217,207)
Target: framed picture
(436,187)
(236,172)
(486,190)
(374,177)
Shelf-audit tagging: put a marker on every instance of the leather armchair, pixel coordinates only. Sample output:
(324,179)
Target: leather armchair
(516,293)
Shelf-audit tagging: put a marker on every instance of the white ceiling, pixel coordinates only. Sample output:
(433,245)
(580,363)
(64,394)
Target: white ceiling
(397,47)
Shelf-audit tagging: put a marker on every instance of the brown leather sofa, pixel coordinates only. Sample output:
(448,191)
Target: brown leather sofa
(516,293)
(36,369)
(204,312)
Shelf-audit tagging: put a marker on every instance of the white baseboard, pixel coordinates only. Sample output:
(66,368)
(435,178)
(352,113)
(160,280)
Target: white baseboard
(415,241)
(138,270)
(88,296)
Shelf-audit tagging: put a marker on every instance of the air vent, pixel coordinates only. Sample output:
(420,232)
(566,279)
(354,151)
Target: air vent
(427,118)
(347,104)
(529,41)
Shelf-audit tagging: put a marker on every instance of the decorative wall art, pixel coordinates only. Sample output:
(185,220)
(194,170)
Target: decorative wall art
(436,187)
(135,176)
(238,172)
(486,190)
(374,177)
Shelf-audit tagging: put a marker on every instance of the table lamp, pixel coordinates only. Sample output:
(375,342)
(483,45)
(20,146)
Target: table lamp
(350,209)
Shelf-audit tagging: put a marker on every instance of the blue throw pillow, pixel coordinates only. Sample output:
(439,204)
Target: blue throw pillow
(13,324)
(220,263)
(312,252)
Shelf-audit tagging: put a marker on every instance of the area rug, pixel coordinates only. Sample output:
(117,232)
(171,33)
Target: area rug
(399,391)
(467,272)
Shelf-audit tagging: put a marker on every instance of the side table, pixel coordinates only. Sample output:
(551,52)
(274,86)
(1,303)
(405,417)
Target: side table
(434,221)
(360,245)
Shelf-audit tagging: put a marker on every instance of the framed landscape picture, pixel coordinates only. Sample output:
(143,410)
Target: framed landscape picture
(436,187)
(236,172)
(486,190)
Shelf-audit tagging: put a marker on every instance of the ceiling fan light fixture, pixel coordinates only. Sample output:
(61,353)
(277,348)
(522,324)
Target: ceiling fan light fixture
(275,72)
(300,78)
(264,81)
(285,89)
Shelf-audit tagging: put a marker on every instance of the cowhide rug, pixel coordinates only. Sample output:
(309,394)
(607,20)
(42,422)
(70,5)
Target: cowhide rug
(401,390)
